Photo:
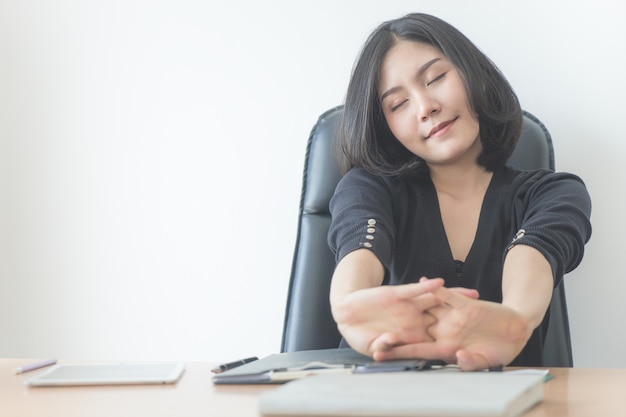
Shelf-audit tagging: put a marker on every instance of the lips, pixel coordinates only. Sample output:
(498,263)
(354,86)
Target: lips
(441,128)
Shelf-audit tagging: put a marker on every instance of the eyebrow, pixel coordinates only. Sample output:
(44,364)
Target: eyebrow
(420,72)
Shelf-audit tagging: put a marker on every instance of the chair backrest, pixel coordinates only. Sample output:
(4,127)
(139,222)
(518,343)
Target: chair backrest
(308,321)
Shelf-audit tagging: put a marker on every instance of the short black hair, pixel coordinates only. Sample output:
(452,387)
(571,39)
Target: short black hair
(365,139)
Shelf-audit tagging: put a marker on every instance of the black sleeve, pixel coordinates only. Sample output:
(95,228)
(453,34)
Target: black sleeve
(554,211)
(362,216)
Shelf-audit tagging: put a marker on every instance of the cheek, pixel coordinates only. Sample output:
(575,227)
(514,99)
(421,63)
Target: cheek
(401,127)
(473,125)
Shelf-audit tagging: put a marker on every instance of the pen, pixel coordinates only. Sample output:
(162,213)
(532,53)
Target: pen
(231,365)
(33,366)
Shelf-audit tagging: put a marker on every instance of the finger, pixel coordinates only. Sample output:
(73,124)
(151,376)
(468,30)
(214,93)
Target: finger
(452,298)
(468,292)
(439,312)
(417,288)
(429,319)
(431,330)
(425,350)
(426,301)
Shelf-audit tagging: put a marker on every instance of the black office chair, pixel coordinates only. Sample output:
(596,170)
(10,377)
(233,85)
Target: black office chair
(308,321)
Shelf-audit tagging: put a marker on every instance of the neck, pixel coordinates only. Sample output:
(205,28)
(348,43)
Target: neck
(461,181)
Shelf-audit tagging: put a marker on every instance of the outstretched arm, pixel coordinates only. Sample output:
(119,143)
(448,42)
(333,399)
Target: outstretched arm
(372,317)
(479,334)
(527,284)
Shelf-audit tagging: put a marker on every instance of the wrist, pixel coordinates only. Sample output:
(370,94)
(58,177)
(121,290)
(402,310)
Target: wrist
(523,325)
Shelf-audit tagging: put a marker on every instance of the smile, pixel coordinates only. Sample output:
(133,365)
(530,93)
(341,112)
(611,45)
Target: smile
(441,129)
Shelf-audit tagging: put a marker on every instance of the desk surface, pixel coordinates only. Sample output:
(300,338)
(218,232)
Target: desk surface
(573,392)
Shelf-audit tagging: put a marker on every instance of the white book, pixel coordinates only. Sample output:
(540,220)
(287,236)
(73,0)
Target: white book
(430,393)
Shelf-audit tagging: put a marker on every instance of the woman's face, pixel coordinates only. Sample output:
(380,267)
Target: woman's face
(426,106)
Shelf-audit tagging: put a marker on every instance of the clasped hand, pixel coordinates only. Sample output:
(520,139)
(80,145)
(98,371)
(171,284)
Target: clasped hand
(425,320)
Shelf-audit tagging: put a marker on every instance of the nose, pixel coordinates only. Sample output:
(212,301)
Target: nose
(426,107)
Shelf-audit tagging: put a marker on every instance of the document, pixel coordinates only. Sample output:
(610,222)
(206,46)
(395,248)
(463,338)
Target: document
(282,367)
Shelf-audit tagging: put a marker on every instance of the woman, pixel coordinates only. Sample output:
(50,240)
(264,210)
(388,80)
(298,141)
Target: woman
(470,248)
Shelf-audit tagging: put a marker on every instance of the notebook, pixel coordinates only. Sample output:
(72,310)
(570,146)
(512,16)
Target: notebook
(283,367)
(109,374)
(433,394)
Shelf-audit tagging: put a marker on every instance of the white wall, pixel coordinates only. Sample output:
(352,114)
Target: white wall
(151,155)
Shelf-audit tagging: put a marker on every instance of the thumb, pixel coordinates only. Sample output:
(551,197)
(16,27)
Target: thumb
(384,342)
(469,361)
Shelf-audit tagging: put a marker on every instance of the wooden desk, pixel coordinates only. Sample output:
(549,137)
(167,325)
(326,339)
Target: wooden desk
(573,392)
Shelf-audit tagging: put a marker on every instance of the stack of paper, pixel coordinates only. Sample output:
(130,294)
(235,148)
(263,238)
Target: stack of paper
(282,367)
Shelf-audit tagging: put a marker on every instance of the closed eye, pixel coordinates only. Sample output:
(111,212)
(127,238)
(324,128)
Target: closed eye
(437,78)
(397,106)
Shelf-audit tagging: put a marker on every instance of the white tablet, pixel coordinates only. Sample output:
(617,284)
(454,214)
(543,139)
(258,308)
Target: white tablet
(109,374)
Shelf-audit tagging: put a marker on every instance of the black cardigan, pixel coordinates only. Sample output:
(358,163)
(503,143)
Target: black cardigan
(400,221)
